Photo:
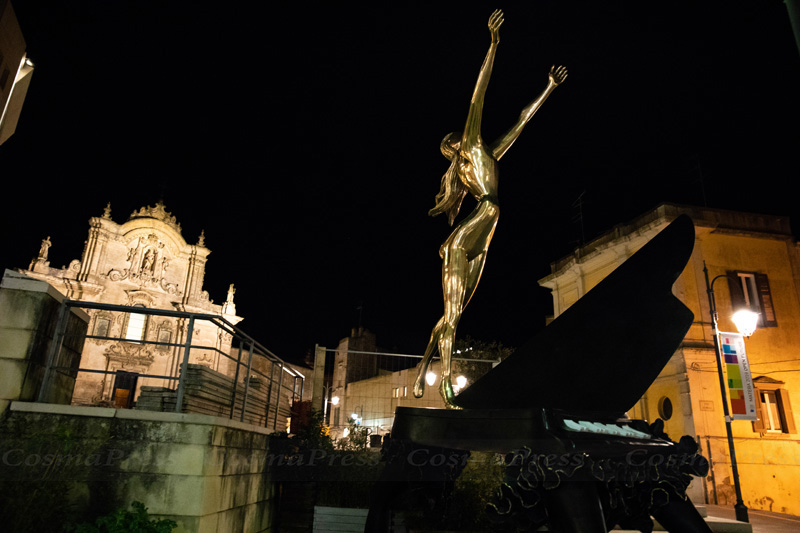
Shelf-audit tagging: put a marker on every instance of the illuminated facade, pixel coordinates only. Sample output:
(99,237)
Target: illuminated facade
(144,262)
(758,257)
(371,384)
(16,71)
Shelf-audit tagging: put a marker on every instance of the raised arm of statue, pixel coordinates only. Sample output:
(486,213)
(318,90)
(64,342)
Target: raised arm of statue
(472,130)
(555,78)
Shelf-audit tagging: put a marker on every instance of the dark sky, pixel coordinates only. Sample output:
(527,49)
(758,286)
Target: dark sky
(303,138)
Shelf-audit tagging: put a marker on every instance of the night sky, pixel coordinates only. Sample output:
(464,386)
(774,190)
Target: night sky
(304,139)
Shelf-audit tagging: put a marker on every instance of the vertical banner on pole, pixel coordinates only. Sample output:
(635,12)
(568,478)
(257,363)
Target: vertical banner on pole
(740,384)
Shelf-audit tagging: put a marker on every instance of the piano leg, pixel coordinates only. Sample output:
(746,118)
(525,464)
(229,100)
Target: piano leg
(574,507)
(681,516)
(427,471)
(391,484)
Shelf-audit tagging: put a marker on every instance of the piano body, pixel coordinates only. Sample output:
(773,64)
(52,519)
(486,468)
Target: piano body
(575,462)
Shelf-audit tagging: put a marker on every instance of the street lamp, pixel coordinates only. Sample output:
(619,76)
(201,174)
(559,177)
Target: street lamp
(745,321)
(326,393)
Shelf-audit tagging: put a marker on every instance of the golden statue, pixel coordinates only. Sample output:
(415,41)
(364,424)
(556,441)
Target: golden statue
(473,169)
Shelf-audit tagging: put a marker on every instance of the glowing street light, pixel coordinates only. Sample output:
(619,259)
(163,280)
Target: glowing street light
(746,321)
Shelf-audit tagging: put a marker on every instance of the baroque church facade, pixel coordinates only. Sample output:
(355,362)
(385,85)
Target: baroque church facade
(144,262)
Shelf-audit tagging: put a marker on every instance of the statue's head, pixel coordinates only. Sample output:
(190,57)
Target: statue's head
(450,145)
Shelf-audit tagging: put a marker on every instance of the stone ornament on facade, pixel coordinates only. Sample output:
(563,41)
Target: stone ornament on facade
(129,355)
(158,212)
(44,249)
(40,261)
(101,325)
(147,265)
(229,308)
(164,335)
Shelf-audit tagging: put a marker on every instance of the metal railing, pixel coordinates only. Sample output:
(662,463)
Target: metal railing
(249,352)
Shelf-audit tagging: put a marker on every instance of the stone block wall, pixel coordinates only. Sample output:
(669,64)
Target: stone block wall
(208,474)
(29,311)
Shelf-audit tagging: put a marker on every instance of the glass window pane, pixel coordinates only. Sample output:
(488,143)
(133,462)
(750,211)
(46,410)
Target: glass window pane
(135,330)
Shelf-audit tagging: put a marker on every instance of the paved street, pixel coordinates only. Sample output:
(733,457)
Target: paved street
(762,521)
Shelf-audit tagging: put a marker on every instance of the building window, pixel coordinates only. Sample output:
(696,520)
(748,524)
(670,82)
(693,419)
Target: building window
(751,290)
(101,326)
(396,392)
(770,411)
(665,408)
(137,323)
(774,408)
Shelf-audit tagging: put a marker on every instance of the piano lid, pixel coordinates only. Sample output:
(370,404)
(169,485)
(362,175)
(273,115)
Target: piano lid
(602,353)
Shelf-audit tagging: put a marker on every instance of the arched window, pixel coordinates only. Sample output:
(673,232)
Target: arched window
(137,323)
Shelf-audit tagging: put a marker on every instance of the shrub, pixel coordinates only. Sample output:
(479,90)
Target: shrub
(123,521)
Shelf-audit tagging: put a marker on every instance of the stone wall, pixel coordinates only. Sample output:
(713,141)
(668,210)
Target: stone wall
(29,311)
(206,473)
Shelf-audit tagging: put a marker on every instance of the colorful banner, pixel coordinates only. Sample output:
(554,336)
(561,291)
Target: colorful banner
(740,385)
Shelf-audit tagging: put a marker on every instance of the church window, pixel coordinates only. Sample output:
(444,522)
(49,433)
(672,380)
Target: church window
(137,323)
(101,326)
(165,337)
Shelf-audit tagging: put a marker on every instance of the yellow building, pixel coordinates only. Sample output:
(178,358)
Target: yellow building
(757,257)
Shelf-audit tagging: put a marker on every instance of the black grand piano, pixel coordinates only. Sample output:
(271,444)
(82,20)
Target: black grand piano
(575,462)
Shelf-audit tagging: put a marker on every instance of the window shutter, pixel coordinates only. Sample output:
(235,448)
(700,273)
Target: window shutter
(787,417)
(735,289)
(766,301)
(758,424)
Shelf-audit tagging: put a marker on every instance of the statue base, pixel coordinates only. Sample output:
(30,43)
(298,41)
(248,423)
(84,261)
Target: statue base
(574,472)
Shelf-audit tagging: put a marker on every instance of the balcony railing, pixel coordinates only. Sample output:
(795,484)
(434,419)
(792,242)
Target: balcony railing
(256,382)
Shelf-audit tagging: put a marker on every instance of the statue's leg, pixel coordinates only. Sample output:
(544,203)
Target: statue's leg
(454,284)
(413,474)
(433,343)
(474,271)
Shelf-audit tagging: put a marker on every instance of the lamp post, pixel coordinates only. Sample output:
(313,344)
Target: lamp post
(326,392)
(745,322)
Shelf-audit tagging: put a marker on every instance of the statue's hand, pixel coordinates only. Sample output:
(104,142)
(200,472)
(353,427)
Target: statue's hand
(495,21)
(557,75)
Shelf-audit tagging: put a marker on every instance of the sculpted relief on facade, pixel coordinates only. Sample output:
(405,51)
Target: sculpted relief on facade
(147,263)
